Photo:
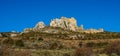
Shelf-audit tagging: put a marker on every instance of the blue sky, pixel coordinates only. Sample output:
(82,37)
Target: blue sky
(19,14)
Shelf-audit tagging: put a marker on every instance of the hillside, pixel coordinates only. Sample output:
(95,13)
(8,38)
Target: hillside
(56,41)
(62,38)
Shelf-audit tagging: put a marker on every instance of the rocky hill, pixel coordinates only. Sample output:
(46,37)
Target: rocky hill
(64,23)
(62,38)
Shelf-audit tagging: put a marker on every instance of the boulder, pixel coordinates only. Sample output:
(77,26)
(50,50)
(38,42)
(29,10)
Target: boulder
(39,25)
(13,35)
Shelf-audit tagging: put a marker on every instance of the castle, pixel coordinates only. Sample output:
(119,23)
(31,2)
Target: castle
(65,23)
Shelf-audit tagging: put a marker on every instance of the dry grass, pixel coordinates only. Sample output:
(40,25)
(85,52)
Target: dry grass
(7,51)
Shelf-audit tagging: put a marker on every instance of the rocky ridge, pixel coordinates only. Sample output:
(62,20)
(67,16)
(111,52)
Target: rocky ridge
(64,23)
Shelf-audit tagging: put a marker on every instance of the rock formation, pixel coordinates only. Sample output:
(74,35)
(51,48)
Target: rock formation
(64,23)
(93,31)
(14,34)
(39,25)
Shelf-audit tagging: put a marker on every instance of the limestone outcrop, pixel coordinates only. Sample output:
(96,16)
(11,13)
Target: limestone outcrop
(39,25)
(94,30)
(64,23)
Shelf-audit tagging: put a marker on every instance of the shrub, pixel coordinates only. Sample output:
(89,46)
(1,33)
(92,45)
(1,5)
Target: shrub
(96,45)
(5,51)
(8,41)
(113,54)
(51,44)
(113,48)
(8,51)
(90,44)
(19,43)
(66,54)
(40,39)
(83,52)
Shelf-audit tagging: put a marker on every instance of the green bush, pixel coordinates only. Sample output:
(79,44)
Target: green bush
(8,41)
(19,43)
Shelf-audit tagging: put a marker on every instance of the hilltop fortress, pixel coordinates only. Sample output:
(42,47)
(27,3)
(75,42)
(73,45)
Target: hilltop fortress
(64,23)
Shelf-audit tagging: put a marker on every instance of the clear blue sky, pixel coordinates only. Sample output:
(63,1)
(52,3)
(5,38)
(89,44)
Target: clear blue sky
(20,14)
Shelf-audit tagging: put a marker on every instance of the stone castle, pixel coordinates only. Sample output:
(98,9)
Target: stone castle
(65,23)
